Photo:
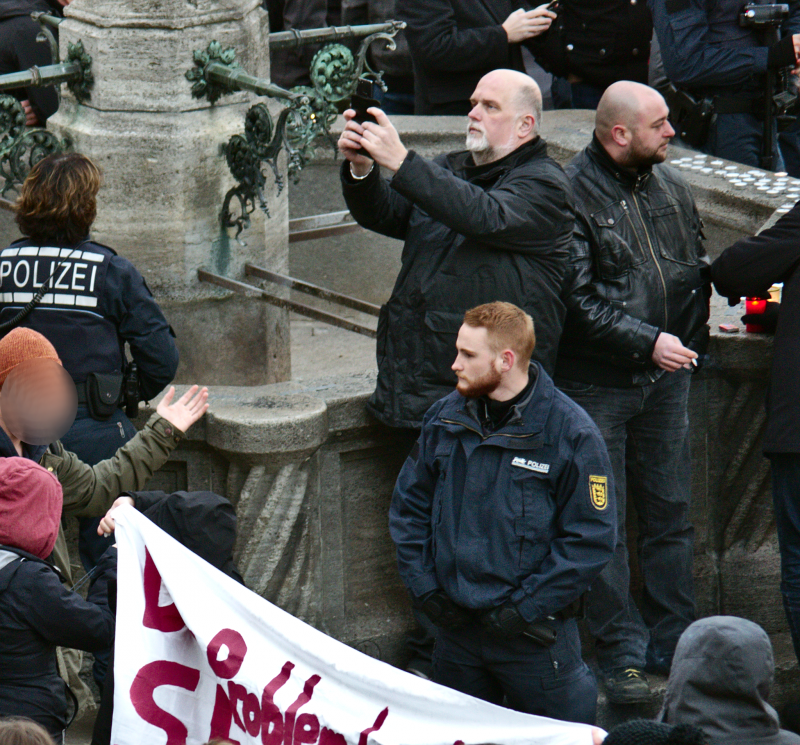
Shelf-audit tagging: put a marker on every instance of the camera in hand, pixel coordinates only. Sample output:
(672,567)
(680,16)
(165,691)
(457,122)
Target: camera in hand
(763,16)
(363,99)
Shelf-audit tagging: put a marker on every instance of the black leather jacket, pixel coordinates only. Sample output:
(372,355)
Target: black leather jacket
(637,267)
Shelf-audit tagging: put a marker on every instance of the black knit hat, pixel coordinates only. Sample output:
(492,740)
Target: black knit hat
(644,732)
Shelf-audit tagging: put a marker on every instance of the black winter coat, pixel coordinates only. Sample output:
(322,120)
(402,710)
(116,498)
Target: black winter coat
(473,235)
(599,42)
(454,43)
(38,614)
(748,269)
(637,267)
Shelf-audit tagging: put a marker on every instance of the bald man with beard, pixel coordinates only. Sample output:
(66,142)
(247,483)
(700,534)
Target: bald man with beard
(491,222)
(637,294)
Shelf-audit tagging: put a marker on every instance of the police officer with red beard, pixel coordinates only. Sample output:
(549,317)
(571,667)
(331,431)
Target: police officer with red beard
(502,516)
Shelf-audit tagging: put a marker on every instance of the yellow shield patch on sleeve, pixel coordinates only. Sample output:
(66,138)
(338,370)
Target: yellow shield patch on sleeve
(598,491)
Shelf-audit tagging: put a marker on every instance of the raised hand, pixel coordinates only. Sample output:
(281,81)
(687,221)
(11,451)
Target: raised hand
(186,410)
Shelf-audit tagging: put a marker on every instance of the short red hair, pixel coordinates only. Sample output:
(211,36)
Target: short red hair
(507,326)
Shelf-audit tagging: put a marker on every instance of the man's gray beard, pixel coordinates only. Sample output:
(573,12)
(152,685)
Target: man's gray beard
(482,151)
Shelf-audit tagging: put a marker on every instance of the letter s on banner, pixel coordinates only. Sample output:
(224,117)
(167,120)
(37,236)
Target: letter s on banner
(150,677)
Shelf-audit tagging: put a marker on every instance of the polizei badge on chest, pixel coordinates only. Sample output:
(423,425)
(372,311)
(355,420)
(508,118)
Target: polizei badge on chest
(75,276)
(531,465)
(598,491)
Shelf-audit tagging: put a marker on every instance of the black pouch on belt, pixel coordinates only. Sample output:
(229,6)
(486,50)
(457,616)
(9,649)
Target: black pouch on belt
(103,393)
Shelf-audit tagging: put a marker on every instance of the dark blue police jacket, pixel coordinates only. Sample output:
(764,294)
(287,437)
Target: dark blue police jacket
(704,48)
(97,302)
(524,514)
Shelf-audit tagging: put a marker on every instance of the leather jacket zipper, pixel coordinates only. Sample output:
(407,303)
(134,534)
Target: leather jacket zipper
(653,254)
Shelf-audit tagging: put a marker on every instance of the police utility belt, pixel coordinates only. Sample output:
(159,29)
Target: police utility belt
(104,393)
(691,116)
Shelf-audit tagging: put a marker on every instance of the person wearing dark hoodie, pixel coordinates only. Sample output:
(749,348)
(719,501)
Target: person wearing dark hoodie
(720,682)
(204,522)
(37,612)
(19,50)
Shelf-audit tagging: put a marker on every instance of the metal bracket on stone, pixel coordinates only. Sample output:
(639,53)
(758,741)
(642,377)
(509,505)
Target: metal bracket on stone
(247,155)
(308,115)
(22,148)
(46,35)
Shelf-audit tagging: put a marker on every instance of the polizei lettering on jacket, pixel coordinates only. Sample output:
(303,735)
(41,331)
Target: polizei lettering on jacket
(23,271)
(531,465)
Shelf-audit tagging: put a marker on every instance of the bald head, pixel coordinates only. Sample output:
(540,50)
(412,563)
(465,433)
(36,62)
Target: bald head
(632,124)
(518,89)
(624,103)
(506,110)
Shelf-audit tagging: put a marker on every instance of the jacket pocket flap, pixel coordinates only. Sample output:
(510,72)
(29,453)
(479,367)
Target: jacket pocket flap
(610,216)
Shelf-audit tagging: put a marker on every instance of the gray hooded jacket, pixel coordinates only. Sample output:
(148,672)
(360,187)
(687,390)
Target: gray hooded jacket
(720,682)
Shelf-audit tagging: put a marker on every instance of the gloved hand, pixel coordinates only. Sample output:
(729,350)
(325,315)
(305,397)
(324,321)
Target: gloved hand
(783,53)
(504,621)
(768,320)
(443,612)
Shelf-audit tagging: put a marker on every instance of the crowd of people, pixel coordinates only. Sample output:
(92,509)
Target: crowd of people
(534,359)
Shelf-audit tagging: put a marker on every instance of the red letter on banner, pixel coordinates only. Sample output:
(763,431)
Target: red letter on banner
(159,617)
(271,716)
(150,677)
(374,728)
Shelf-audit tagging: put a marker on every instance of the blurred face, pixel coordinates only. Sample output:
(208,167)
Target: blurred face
(477,366)
(494,122)
(38,402)
(651,136)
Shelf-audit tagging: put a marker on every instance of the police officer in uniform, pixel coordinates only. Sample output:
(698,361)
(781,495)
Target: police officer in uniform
(95,302)
(88,302)
(718,63)
(502,515)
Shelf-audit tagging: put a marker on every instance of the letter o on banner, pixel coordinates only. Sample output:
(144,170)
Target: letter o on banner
(237,649)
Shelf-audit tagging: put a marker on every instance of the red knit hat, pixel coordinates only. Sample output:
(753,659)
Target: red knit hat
(30,506)
(21,345)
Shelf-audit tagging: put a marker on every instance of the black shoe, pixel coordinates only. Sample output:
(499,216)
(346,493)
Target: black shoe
(627,685)
(421,668)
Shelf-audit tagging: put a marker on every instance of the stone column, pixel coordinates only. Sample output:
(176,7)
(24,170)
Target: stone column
(165,178)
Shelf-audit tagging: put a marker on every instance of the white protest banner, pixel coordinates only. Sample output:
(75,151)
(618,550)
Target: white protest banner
(200,656)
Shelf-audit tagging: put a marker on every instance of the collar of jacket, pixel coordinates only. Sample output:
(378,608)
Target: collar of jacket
(526,424)
(7,449)
(461,162)
(634,181)
(9,554)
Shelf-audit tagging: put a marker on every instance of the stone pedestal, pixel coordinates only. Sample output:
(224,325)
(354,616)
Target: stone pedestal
(165,178)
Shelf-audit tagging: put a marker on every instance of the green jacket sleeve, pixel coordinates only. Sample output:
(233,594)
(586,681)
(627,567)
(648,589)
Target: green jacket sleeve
(89,491)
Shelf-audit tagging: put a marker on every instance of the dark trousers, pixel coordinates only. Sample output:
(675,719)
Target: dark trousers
(552,682)
(92,442)
(786,497)
(738,137)
(586,95)
(646,432)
